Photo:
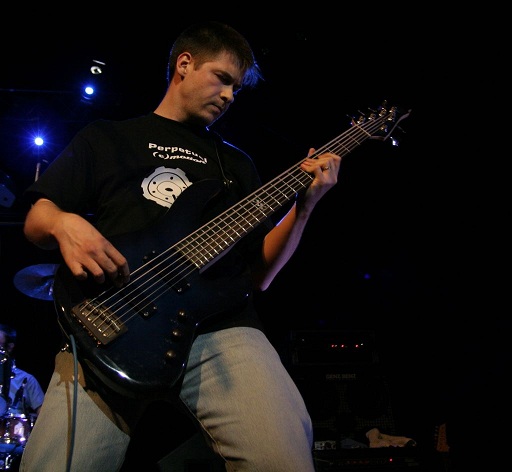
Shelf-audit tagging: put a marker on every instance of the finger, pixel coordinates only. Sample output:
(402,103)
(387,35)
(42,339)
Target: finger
(120,274)
(100,267)
(117,277)
(85,269)
(96,272)
(78,271)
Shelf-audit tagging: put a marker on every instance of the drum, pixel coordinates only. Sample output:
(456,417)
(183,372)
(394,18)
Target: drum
(14,432)
(14,429)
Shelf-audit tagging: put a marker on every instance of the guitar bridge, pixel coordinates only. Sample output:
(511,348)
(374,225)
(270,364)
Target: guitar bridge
(99,321)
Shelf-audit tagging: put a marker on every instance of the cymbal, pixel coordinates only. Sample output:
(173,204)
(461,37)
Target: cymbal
(36,281)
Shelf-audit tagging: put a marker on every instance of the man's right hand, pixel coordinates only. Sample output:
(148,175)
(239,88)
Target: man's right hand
(84,249)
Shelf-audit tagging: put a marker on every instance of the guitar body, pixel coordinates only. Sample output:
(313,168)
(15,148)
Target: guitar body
(149,353)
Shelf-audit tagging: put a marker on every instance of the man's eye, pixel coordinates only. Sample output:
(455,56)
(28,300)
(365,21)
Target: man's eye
(225,80)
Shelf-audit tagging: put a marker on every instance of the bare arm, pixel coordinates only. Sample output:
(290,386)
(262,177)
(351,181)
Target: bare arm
(84,249)
(280,243)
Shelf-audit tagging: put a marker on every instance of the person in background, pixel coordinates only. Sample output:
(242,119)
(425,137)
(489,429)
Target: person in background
(131,175)
(21,391)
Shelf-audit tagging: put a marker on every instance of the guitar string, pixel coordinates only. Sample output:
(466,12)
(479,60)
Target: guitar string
(244,229)
(269,195)
(192,256)
(338,145)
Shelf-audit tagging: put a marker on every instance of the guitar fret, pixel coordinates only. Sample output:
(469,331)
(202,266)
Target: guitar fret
(211,240)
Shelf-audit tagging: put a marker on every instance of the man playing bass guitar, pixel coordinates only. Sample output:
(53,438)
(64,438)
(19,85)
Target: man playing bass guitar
(155,294)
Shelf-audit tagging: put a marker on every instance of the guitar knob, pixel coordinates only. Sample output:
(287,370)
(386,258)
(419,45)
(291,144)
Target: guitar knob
(170,355)
(177,333)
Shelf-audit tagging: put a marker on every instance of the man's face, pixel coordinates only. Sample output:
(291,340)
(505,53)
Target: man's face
(209,89)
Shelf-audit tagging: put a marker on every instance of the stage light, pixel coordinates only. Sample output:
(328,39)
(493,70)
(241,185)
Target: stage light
(88,92)
(39,151)
(91,87)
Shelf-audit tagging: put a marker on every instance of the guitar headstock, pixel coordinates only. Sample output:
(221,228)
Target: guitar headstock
(389,118)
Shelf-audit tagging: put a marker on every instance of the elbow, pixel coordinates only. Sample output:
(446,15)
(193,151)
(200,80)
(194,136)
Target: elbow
(261,282)
(260,287)
(28,231)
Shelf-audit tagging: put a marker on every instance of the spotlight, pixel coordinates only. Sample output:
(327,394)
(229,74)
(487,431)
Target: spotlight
(88,92)
(92,85)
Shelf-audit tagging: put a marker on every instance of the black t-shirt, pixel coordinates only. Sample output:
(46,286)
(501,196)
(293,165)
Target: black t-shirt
(129,175)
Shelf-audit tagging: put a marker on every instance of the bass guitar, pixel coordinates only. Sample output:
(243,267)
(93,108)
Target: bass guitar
(136,339)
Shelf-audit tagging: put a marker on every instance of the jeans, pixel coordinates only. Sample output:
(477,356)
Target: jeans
(236,387)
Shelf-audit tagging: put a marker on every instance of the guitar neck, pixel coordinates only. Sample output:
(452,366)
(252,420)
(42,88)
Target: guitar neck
(221,233)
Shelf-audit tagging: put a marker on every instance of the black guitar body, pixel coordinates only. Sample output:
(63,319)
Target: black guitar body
(153,319)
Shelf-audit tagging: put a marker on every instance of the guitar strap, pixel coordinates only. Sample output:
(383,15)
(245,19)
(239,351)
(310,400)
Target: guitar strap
(218,137)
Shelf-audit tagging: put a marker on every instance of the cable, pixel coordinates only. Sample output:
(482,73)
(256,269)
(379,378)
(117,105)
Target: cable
(75,396)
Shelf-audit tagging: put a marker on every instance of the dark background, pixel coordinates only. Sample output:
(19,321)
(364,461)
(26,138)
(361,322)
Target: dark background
(406,245)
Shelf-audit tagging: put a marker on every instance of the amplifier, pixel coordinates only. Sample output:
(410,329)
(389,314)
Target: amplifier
(317,348)
(346,405)
(342,382)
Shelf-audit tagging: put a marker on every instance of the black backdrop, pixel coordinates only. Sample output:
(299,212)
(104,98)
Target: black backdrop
(413,217)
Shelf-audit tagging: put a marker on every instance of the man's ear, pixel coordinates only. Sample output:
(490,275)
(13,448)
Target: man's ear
(183,62)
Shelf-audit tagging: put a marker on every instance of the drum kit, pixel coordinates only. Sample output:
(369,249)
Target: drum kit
(37,282)
(14,432)
(15,426)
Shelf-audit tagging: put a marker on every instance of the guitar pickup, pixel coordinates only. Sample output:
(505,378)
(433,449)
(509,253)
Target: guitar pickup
(99,321)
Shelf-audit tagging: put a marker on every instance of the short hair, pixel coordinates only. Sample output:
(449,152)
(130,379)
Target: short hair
(10,333)
(208,39)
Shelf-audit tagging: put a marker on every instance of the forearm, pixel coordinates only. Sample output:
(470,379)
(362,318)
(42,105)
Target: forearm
(279,246)
(84,249)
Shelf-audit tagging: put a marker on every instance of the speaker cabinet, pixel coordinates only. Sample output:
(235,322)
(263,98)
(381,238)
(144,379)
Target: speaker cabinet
(341,380)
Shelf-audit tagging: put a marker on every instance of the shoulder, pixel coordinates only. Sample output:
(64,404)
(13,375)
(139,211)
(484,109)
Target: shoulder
(107,127)
(21,373)
(28,380)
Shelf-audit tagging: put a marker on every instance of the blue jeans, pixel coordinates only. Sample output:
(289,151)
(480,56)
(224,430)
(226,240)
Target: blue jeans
(246,404)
